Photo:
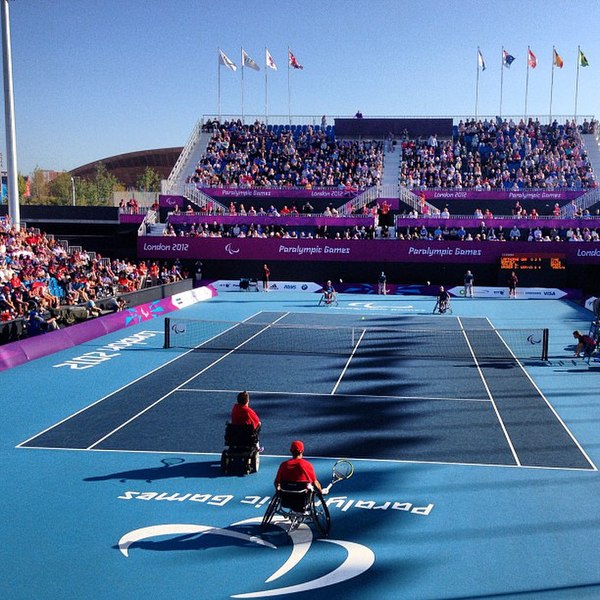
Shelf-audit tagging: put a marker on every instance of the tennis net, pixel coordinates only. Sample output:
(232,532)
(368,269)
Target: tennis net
(279,338)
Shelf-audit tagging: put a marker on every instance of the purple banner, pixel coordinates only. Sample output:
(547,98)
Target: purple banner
(127,218)
(283,220)
(300,193)
(170,201)
(16,353)
(507,223)
(554,195)
(358,250)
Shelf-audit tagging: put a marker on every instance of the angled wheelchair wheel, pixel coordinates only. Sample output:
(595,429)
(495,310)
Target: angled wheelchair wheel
(271,511)
(254,462)
(436,308)
(320,514)
(224,462)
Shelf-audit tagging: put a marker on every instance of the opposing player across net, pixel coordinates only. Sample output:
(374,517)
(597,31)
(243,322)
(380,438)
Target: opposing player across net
(458,343)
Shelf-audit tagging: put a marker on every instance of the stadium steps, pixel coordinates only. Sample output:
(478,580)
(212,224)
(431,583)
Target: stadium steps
(593,151)
(391,169)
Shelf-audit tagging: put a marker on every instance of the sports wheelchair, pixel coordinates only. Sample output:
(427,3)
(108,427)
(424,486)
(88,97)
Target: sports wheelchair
(328,299)
(241,457)
(442,309)
(298,503)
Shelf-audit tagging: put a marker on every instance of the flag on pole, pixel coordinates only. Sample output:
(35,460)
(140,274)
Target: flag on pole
(557,61)
(248,62)
(480,60)
(531,59)
(293,62)
(269,62)
(226,61)
(507,59)
(583,61)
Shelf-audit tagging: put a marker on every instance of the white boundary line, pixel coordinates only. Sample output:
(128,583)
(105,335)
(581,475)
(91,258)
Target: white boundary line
(375,460)
(265,392)
(558,418)
(128,384)
(487,389)
(337,383)
(212,364)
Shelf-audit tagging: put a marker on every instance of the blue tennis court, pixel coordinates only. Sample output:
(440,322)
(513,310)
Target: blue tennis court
(470,452)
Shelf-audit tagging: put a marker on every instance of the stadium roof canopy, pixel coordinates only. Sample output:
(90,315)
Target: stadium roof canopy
(128,167)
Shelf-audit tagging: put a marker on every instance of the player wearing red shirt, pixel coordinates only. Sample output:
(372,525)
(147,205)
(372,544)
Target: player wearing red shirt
(242,414)
(297,469)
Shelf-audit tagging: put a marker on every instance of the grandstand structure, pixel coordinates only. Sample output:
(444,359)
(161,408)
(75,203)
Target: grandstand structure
(422,198)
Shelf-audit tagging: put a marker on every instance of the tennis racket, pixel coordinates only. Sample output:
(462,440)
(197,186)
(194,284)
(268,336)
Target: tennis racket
(342,469)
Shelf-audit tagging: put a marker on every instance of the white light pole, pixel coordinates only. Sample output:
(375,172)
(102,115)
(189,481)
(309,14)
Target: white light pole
(73,189)
(9,118)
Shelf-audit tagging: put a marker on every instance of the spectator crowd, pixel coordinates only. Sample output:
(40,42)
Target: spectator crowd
(39,276)
(259,155)
(500,154)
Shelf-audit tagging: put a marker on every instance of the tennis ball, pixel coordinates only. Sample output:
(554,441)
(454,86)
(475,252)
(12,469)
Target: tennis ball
(429,283)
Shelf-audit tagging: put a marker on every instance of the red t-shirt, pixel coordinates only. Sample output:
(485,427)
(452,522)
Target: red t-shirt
(242,414)
(294,470)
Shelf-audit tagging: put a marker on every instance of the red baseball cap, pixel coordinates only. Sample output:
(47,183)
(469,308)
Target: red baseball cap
(297,446)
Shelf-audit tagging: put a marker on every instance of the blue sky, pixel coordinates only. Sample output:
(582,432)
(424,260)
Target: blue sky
(95,78)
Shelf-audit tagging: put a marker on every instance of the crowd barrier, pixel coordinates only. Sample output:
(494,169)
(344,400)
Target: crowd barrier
(142,305)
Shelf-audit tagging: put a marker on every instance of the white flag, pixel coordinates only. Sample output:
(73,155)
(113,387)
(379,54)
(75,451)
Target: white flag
(269,60)
(248,62)
(480,60)
(226,61)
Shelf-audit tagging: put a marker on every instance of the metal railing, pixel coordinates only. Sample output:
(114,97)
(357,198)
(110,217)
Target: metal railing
(182,159)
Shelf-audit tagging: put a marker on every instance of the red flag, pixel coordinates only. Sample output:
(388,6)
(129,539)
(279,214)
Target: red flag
(531,59)
(557,60)
(293,62)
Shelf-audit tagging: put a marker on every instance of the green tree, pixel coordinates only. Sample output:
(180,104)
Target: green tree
(39,188)
(60,189)
(149,181)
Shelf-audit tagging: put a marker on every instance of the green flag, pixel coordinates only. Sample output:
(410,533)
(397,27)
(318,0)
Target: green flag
(583,61)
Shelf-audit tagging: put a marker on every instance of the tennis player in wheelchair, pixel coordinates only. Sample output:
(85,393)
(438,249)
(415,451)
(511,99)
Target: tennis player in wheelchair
(242,438)
(298,494)
(443,301)
(329,294)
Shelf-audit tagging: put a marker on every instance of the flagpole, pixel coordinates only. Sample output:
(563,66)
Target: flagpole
(527,82)
(289,92)
(552,81)
(266,90)
(242,55)
(477,85)
(501,78)
(577,82)
(219,82)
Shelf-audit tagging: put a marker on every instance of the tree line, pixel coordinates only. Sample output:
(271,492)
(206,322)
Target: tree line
(98,190)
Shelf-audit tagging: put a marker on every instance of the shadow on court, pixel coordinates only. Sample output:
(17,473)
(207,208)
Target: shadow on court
(184,470)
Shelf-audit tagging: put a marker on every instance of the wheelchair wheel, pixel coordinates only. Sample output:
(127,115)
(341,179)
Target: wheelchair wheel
(254,463)
(224,462)
(270,512)
(320,514)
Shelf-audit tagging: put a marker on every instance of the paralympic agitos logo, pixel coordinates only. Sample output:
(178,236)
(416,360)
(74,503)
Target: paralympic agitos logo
(359,558)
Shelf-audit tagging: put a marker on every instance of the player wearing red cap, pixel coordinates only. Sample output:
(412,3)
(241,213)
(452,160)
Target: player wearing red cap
(297,469)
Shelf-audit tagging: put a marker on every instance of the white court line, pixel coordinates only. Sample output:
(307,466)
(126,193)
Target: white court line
(224,356)
(335,387)
(217,456)
(128,384)
(558,418)
(304,394)
(489,393)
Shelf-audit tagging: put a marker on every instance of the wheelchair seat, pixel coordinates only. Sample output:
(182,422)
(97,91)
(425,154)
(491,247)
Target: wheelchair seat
(242,454)
(296,496)
(298,503)
(240,435)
